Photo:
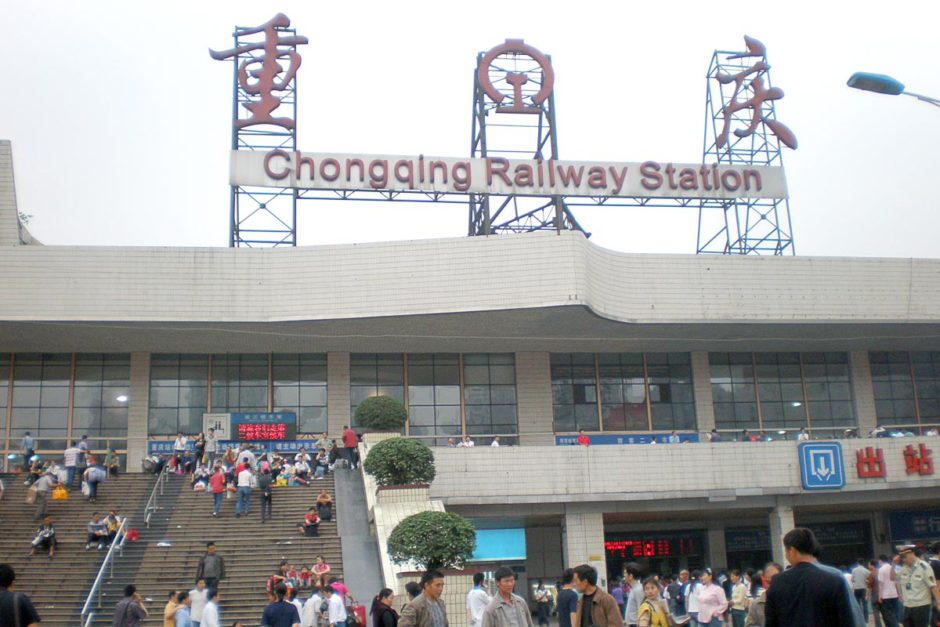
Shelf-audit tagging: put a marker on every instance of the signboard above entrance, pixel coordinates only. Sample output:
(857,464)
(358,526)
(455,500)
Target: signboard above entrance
(649,179)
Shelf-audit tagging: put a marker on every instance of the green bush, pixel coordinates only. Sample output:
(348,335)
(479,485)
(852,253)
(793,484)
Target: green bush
(400,461)
(433,540)
(381,413)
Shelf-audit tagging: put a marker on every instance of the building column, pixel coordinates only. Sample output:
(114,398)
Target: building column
(781,521)
(702,388)
(138,411)
(583,540)
(534,399)
(337,393)
(863,392)
(717,555)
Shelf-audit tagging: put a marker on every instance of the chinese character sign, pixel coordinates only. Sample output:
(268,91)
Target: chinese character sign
(759,95)
(918,461)
(260,73)
(870,463)
(263,431)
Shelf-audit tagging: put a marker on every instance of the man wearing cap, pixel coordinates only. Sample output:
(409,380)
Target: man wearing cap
(917,587)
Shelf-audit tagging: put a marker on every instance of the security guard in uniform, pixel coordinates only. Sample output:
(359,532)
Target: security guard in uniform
(917,586)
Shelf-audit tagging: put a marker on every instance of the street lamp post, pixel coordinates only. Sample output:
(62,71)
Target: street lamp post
(881,84)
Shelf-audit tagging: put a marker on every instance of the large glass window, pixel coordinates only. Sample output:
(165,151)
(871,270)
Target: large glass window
(300,387)
(239,383)
(102,389)
(638,392)
(434,394)
(372,374)
(41,398)
(782,391)
(179,393)
(906,387)
(490,393)
(574,391)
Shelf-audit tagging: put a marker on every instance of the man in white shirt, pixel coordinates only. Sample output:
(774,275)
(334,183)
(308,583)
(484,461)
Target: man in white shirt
(70,459)
(337,611)
(495,442)
(244,492)
(465,442)
(310,615)
(210,613)
(477,600)
(212,447)
(887,592)
(198,597)
(246,454)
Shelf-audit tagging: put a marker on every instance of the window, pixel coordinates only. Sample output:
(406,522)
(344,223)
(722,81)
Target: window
(574,391)
(373,374)
(41,397)
(638,392)
(239,383)
(906,387)
(179,393)
(782,391)
(101,397)
(433,394)
(489,393)
(300,386)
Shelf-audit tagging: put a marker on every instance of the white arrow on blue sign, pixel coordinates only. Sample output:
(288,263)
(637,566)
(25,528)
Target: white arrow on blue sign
(821,466)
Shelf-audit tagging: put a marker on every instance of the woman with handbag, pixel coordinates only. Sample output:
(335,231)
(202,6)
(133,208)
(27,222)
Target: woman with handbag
(653,611)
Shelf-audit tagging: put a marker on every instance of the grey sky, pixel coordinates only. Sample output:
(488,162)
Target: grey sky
(120,121)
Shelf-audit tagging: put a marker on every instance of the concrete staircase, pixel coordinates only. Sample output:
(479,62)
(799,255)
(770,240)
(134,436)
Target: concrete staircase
(252,550)
(59,587)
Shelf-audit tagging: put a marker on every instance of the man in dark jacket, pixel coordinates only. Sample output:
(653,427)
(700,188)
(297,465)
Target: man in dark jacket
(265,481)
(809,593)
(211,567)
(596,607)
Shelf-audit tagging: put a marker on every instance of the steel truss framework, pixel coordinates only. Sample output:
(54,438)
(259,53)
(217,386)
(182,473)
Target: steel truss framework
(262,216)
(756,226)
(515,136)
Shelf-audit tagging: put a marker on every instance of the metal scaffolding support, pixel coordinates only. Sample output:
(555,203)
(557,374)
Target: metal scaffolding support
(739,96)
(263,216)
(525,129)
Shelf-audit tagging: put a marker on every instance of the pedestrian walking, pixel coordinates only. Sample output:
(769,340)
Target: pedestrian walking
(243,502)
(265,483)
(917,587)
(507,609)
(543,602)
(477,600)
(130,611)
(16,608)
(27,445)
(596,606)
(809,593)
(211,567)
(382,611)
(427,609)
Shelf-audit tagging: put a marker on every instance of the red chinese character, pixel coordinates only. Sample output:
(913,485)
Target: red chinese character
(265,76)
(870,463)
(756,102)
(918,461)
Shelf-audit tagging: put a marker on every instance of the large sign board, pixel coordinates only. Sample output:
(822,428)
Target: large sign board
(647,179)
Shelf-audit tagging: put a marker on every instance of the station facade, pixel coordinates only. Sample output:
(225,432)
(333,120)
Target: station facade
(527,337)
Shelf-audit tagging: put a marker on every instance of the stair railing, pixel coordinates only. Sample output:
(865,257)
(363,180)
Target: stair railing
(152,503)
(94,595)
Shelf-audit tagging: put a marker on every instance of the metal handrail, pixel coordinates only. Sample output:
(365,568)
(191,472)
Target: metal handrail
(116,545)
(152,506)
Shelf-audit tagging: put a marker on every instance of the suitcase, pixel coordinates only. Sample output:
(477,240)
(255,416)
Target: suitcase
(360,612)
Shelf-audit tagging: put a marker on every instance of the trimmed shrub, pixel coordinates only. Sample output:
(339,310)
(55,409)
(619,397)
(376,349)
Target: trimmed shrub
(400,461)
(433,540)
(381,413)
